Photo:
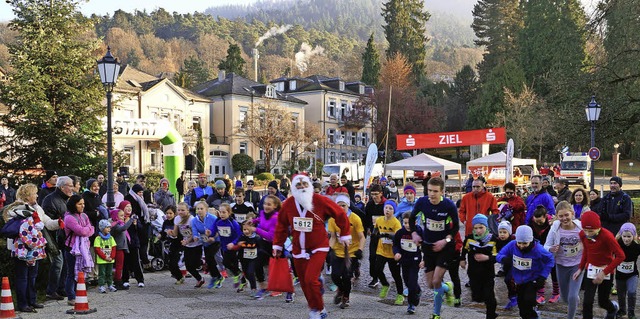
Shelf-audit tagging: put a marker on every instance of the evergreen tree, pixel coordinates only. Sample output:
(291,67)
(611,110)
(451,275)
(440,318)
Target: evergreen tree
(54,95)
(234,61)
(552,43)
(496,24)
(464,92)
(192,73)
(405,31)
(370,63)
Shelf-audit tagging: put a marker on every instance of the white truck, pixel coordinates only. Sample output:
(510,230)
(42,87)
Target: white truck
(576,168)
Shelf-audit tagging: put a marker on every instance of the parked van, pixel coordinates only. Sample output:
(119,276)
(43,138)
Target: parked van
(576,168)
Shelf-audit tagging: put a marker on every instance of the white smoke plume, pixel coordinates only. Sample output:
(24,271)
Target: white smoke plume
(305,53)
(273,32)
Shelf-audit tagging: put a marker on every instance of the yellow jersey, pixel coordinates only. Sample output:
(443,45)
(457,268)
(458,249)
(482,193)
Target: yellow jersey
(387,229)
(356,227)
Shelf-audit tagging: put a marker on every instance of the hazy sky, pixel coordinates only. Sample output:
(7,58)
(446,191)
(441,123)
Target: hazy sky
(182,6)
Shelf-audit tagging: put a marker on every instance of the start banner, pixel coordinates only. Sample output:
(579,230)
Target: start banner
(496,135)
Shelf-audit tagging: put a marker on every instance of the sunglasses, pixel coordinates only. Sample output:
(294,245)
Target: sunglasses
(509,193)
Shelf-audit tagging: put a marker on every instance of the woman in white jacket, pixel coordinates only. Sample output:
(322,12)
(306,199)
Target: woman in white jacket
(564,242)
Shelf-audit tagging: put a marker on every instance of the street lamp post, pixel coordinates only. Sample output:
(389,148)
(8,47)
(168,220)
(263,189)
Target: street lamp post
(593,114)
(109,69)
(340,140)
(315,158)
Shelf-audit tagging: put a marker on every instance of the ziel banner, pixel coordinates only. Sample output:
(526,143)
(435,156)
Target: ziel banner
(496,135)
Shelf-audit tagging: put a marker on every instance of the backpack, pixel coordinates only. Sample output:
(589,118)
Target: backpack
(11,228)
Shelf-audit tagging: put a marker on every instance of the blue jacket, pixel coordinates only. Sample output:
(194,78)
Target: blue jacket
(543,198)
(233,228)
(404,206)
(199,227)
(541,261)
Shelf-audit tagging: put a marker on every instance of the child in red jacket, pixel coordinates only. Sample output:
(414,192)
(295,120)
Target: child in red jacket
(600,257)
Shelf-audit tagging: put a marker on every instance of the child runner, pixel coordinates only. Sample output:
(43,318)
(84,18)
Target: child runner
(600,257)
(340,274)
(408,254)
(191,246)
(440,226)
(358,202)
(119,226)
(531,267)
(480,246)
(564,242)
(540,226)
(229,231)
(627,271)
(266,228)
(387,226)
(202,226)
(248,247)
(175,248)
(239,207)
(105,247)
(504,237)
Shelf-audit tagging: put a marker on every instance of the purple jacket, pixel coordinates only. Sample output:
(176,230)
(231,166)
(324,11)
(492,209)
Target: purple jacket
(79,225)
(267,227)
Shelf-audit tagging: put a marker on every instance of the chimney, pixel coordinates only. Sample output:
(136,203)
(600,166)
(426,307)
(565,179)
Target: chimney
(221,75)
(256,55)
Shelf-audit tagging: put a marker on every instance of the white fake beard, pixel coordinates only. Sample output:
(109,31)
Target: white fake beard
(303,197)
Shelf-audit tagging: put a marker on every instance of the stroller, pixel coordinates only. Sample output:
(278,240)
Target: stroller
(158,248)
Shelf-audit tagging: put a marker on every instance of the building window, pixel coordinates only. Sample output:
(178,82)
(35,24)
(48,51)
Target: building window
(271,91)
(196,123)
(331,136)
(243,117)
(354,139)
(243,147)
(364,139)
(261,155)
(279,86)
(331,109)
(343,157)
(128,153)
(294,119)
(153,153)
(343,109)
(332,157)
(341,84)
(292,153)
(354,156)
(292,85)
(361,89)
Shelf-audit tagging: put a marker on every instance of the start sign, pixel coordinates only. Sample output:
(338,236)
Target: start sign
(451,139)
(140,129)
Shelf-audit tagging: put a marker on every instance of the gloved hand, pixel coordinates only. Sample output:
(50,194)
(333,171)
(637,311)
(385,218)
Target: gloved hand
(358,254)
(36,217)
(61,223)
(539,282)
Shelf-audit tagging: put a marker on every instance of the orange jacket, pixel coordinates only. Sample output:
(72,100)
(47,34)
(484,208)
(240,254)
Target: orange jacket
(472,204)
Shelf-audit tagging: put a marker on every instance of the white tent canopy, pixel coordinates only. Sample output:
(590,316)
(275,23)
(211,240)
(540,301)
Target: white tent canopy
(499,159)
(423,162)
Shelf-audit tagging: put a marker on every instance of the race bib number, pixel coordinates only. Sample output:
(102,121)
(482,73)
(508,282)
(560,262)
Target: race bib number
(250,253)
(626,267)
(185,231)
(107,252)
(592,272)
(572,251)
(435,225)
(385,240)
(522,263)
(240,217)
(303,224)
(224,231)
(408,245)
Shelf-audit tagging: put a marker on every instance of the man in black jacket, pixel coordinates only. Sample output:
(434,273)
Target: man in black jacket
(55,205)
(252,196)
(616,208)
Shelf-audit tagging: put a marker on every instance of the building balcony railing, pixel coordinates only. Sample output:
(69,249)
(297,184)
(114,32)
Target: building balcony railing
(223,140)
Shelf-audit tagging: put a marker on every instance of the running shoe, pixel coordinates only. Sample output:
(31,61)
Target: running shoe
(102,289)
(260,294)
(540,300)
(450,298)
(345,303)
(373,284)
(113,288)
(383,292)
(554,298)
(411,309)
(288,298)
(513,302)
(180,281)
(200,283)
(399,300)
(275,294)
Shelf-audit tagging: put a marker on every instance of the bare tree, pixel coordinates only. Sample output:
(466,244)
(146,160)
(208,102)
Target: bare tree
(270,127)
(302,140)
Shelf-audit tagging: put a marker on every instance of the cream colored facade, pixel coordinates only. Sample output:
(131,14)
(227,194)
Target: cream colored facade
(142,96)
(330,100)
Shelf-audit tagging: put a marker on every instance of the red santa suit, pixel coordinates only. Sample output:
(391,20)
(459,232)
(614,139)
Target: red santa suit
(310,240)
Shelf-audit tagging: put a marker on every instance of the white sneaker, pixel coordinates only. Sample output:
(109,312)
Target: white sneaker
(102,289)
(113,288)
(126,284)
(141,284)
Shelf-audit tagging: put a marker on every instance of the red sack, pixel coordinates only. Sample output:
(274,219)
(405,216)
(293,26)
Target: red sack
(280,279)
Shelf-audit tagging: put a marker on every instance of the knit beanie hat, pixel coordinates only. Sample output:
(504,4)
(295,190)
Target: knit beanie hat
(410,188)
(480,219)
(391,203)
(103,224)
(164,180)
(137,188)
(590,220)
(90,182)
(506,225)
(220,184)
(273,184)
(628,227)
(524,234)
(124,203)
(238,184)
(114,213)
(616,179)
(49,174)
(343,198)
(383,179)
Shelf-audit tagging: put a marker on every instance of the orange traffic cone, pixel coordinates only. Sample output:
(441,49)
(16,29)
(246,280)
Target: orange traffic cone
(81,306)
(6,306)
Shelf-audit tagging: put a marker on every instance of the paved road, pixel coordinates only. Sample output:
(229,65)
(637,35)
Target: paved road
(162,299)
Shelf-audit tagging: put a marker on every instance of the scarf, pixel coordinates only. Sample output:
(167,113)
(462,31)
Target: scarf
(144,211)
(120,223)
(105,237)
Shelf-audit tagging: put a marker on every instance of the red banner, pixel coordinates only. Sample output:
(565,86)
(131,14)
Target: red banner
(496,135)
